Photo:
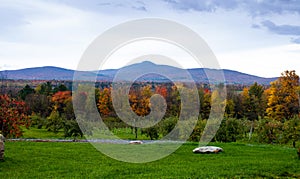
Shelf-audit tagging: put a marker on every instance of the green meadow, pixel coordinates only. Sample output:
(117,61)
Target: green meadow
(82,160)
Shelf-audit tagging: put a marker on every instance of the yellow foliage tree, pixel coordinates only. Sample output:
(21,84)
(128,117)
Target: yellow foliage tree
(283,99)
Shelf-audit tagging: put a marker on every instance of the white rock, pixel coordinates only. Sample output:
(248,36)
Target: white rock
(208,149)
(136,142)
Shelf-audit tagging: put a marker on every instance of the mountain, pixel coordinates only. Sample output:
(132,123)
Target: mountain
(147,71)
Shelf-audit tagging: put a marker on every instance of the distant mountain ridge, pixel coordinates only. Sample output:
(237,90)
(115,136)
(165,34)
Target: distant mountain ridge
(198,74)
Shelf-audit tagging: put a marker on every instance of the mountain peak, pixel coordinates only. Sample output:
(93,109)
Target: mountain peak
(147,63)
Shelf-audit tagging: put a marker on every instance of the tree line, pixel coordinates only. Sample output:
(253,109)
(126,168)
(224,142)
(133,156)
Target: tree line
(267,114)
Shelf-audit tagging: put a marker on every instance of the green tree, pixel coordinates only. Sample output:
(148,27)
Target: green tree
(254,103)
(45,88)
(60,87)
(151,132)
(55,122)
(25,91)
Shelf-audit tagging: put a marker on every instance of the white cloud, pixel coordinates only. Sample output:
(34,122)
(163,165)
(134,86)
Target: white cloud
(265,62)
(56,33)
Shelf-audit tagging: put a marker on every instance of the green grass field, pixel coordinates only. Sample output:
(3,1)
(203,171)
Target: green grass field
(34,133)
(81,160)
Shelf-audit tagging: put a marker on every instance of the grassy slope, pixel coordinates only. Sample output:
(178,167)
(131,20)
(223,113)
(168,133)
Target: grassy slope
(57,160)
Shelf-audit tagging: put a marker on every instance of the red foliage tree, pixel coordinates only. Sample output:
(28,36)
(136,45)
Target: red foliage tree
(12,116)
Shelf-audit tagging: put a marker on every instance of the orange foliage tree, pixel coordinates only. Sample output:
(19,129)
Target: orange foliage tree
(61,99)
(105,102)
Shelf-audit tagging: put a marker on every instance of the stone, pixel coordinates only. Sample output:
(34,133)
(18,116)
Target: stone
(136,142)
(208,150)
(2,147)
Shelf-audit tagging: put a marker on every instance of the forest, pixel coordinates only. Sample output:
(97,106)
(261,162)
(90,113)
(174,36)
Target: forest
(264,114)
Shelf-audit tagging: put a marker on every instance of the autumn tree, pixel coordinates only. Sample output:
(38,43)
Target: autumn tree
(140,102)
(205,103)
(283,100)
(105,103)
(60,100)
(173,102)
(12,116)
(62,115)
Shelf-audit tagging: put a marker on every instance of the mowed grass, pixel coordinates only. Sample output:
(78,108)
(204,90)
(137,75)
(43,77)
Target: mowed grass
(123,133)
(82,160)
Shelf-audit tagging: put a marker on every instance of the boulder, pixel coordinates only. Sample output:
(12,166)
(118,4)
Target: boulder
(208,150)
(136,142)
(1,147)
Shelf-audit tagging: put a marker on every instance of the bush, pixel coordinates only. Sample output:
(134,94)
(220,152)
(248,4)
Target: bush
(151,132)
(167,125)
(37,121)
(230,130)
(291,130)
(269,131)
(54,122)
(72,129)
(198,130)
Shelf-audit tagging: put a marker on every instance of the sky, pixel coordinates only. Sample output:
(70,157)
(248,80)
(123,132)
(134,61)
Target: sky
(258,37)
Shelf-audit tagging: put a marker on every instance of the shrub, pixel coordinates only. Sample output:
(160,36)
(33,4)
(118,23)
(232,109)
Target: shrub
(198,130)
(37,121)
(54,122)
(151,132)
(72,129)
(291,130)
(167,125)
(269,131)
(230,130)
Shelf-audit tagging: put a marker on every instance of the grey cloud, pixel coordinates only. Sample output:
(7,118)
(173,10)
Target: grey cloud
(296,40)
(199,5)
(104,4)
(139,8)
(255,26)
(254,8)
(282,29)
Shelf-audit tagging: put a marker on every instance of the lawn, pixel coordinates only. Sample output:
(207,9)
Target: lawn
(34,133)
(82,160)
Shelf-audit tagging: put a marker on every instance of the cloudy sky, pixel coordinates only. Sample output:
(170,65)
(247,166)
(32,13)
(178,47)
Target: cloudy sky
(259,37)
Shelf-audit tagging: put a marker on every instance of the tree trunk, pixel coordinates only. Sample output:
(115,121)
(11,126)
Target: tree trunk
(294,144)
(136,132)
(251,130)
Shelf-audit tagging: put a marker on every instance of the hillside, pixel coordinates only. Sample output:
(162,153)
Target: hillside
(198,74)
